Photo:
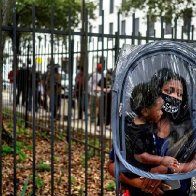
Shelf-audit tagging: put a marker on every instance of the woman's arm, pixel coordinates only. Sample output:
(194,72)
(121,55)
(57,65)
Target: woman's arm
(186,167)
(136,182)
(166,161)
(147,185)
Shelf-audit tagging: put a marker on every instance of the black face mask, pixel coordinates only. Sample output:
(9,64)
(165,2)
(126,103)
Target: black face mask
(171,107)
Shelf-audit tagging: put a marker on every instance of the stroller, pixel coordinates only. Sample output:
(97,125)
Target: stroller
(139,64)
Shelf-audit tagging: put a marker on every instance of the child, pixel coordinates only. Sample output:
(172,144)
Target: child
(147,103)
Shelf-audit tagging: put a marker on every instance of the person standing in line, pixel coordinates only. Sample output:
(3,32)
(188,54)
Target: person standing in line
(57,88)
(106,98)
(21,79)
(79,91)
(94,95)
(11,80)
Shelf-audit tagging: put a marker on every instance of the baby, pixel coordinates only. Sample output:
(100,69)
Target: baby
(141,152)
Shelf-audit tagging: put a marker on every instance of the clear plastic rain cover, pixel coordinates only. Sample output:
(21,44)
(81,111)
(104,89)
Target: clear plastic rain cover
(153,113)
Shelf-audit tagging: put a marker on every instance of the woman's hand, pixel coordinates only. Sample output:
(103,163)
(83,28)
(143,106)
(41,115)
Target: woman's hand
(186,167)
(169,162)
(155,187)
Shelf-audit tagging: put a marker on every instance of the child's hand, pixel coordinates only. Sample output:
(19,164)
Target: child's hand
(174,169)
(170,162)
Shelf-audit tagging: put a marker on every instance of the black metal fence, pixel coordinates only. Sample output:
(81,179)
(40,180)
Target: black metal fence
(57,122)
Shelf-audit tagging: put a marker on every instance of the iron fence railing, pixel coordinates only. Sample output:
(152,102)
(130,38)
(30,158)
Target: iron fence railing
(42,88)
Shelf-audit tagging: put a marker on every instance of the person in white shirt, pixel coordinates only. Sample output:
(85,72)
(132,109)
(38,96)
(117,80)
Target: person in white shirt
(94,95)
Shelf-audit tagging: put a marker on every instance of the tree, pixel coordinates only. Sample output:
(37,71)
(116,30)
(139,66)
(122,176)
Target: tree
(62,12)
(170,9)
(44,9)
(4,18)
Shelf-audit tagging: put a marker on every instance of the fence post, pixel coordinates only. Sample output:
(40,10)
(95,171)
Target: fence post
(192,32)
(162,29)
(27,92)
(116,45)
(1,91)
(148,30)
(175,27)
(133,29)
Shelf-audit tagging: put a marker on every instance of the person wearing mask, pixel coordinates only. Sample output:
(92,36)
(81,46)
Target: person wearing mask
(174,123)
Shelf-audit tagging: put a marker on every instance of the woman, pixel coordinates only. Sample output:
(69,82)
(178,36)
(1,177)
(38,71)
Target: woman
(175,95)
(175,125)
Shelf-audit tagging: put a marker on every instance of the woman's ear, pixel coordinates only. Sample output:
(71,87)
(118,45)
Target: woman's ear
(144,112)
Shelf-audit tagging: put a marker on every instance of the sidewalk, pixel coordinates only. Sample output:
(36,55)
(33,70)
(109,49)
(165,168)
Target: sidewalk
(44,116)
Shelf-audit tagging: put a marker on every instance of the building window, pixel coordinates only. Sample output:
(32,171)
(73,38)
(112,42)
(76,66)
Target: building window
(100,7)
(111,6)
(100,32)
(123,27)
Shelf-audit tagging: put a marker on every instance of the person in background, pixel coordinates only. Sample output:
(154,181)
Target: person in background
(106,98)
(54,81)
(11,80)
(31,90)
(21,79)
(79,91)
(94,95)
(45,85)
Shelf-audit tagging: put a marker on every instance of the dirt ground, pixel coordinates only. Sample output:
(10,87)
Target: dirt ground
(68,163)
(61,170)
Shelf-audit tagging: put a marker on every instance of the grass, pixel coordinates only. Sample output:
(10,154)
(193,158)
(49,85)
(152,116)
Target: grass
(110,186)
(19,151)
(42,167)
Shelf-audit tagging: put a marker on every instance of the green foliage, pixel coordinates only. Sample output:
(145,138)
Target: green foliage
(66,16)
(43,166)
(10,125)
(22,156)
(73,180)
(80,191)
(21,129)
(156,8)
(24,187)
(110,186)
(29,147)
(19,151)
(61,136)
(6,149)
(39,182)
(92,144)
(65,12)
(21,123)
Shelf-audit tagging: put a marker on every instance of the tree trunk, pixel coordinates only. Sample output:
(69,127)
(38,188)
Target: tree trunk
(7,7)
(83,45)
(5,14)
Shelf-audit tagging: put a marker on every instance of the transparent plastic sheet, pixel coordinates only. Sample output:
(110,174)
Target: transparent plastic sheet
(138,65)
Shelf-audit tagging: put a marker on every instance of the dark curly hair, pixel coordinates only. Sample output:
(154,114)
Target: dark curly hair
(144,95)
(166,74)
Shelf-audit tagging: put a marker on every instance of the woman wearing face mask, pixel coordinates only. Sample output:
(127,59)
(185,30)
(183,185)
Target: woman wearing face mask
(174,124)
(174,130)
